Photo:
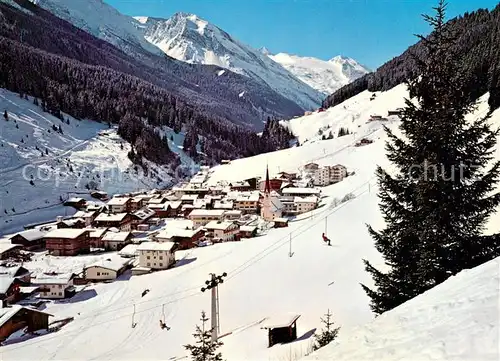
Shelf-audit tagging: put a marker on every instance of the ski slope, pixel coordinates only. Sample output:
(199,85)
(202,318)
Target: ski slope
(457,320)
(263,280)
(62,165)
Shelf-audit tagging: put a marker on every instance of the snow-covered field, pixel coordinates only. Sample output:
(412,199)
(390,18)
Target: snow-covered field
(61,165)
(263,280)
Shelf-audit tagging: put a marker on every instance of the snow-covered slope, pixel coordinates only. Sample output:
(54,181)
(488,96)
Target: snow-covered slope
(61,165)
(457,320)
(262,280)
(325,76)
(101,20)
(188,38)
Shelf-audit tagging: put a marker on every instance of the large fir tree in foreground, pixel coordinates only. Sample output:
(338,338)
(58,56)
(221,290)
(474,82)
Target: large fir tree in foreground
(439,199)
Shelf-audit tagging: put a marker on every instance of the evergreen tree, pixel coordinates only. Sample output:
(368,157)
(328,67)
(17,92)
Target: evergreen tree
(438,202)
(204,349)
(328,334)
(5,115)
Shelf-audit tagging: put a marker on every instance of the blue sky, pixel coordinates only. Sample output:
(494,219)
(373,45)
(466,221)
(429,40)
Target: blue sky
(370,31)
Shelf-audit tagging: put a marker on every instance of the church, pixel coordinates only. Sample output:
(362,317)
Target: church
(271,206)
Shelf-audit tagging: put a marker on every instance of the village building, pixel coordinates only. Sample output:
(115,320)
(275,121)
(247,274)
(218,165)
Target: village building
(321,176)
(15,318)
(119,204)
(129,251)
(9,289)
(274,184)
(301,192)
(247,202)
(115,241)
(223,204)
(69,223)
(67,241)
(8,250)
(75,202)
(280,222)
(55,286)
(142,216)
(271,206)
(136,203)
(248,231)
(232,215)
(102,196)
(337,173)
(122,221)
(287,176)
(23,275)
(156,255)
(222,231)
(242,186)
(189,198)
(184,238)
(156,200)
(311,167)
(86,216)
(200,217)
(105,270)
(95,237)
(29,240)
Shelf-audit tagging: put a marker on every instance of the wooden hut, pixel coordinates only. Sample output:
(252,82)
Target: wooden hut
(281,329)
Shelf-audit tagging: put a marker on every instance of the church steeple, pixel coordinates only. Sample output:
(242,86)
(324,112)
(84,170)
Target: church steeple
(267,188)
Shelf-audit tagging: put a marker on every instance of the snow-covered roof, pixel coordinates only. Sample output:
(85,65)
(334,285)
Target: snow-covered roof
(278,321)
(248,228)
(233,212)
(207,212)
(155,246)
(67,233)
(223,205)
(96,232)
(5,247)
(83,214)
(189,197)
(58,279)
(157,200)
(75,200)
(129,250)
(275,204)
(8,312)
(219,225)
(111,217)
(248,197)
(174,204)
(144,213)
(12,271)
(32,234)
(116,236)
(171,232)
(293,190)
(5,282)
(240,184)
(311,199)
(283,220)
(118,201)
(113,264)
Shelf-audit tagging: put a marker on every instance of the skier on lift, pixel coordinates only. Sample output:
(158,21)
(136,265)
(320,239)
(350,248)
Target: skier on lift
(326,239)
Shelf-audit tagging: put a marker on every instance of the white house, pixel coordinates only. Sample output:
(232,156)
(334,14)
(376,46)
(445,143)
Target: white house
(300,192)
(88,217)
(337,173)
(322,176)
(108,269)
(118,204)
(156,255)
(222,231)
(55,285)
(247,202)
(200,217)
(116,240)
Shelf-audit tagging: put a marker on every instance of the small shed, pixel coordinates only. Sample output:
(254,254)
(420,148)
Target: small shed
(16,317)
(280,222)
(281,329)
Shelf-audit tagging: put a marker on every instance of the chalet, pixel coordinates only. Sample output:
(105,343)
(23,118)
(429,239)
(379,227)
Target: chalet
(183,238)
(122,221)
(301,192)
(142,216)
(232,215)
(78,203)
(155,255)
(242,186)
(19,273)
(108,269)
(281,329)
(70,223)
(305,204)
(119,204)
(157,200)
(55,285)
(67,242)
(247,202)
(363,141)
(280,222)
(15,318)
(310,167)
(136,203)
(200,217)
(9,289)
(31,239)
(222,231)
(102,196)
(95,237)
(87,217)
(8,250)
(115,241)
(189,199)
(248,231)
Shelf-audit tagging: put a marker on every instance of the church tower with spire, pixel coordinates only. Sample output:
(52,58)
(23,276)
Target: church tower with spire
(271,205)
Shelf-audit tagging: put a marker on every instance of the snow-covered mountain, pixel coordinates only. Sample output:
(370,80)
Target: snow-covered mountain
(188,38)
(101,20)
(324,76)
